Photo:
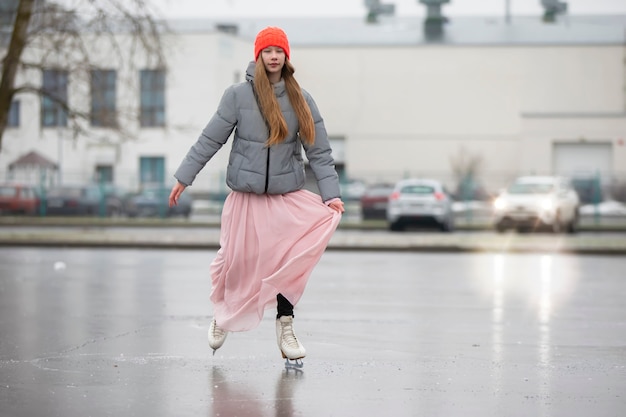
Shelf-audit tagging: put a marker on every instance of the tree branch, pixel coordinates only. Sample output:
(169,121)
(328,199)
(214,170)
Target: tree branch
(11,61)
(75,40)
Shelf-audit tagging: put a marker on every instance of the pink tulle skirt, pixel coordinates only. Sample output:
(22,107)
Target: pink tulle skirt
(269,244)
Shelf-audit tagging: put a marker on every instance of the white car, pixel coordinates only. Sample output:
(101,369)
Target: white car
(420,202)
(536,202)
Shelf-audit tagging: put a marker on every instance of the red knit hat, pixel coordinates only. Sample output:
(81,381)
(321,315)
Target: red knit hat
(271,36)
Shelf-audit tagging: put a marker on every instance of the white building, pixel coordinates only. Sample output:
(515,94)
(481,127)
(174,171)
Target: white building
(520,97)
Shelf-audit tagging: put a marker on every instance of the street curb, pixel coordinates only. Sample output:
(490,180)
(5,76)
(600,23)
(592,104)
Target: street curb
(27,241)
(99,222)
(88,232)
(462,224)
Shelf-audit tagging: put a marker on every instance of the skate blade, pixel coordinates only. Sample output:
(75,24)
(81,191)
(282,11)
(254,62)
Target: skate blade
(296,364)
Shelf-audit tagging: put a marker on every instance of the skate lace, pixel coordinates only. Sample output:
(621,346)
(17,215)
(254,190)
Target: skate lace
(289,338)
(218,332)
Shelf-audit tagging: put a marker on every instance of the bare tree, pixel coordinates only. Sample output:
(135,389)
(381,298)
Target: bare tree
(73,36)
(466,168)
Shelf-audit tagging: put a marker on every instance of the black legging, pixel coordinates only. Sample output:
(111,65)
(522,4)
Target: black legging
(285,308)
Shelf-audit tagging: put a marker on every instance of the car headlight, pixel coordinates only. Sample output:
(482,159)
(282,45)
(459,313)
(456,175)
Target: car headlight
(547,205)
(499,204)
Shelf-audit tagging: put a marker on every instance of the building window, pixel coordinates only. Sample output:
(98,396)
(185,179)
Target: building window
(54,102)
(152,169)
(152,98)
(104,173)
(8,9)
(14,114)
(103,95)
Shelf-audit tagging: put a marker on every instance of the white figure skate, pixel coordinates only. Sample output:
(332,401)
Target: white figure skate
(217,336)
(289,345)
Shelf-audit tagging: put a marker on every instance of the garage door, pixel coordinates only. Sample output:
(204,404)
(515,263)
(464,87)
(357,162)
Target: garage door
(583,159)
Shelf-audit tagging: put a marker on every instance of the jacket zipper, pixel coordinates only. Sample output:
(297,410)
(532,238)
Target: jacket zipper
(267,165)
(267,170)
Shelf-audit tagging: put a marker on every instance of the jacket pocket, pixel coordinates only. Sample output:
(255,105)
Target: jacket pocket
(297,149)
(298,167)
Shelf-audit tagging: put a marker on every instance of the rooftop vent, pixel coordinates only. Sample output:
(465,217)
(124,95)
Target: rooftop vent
(375,9)
(553,8)
(229,28)
(433,24)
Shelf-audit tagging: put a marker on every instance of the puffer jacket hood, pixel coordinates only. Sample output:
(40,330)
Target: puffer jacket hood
(250,71)
(252,166)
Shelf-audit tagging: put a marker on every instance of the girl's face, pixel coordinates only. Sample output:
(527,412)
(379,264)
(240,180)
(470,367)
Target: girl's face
(273,60)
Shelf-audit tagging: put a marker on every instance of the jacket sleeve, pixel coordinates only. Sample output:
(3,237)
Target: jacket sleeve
(213,136)
(320,156)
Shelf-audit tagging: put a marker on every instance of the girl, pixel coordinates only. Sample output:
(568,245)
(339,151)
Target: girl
(273,232)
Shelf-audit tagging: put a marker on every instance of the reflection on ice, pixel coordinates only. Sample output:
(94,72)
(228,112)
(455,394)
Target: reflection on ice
(498,292)
(497,320)
(520,285)
(236,398)
(545,303)
(545,351)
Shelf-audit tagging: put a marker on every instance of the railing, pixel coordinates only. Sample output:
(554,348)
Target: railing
(475,192)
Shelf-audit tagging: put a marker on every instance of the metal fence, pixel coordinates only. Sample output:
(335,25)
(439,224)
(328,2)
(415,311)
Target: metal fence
(210,189)
(591,187)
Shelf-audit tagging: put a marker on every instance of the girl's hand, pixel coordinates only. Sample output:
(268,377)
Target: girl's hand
(177,190)
(337,206)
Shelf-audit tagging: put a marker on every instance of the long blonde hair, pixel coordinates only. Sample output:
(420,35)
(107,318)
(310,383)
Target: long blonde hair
(271,109)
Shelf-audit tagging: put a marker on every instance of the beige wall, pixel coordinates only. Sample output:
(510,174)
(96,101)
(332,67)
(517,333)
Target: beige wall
(413,109)
(581,79)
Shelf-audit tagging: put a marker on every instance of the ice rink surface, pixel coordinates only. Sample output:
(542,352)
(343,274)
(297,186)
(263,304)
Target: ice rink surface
(123,332)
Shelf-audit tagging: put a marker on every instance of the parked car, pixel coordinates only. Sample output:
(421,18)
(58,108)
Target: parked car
(352,190)
(420,202)
(537,202)
(152,201)
(84,200)
(18,198)
(375,200)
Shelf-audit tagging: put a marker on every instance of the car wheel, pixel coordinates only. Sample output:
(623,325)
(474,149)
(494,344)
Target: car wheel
(447,225)
(556,225)
(572,227)
(500,228)
(396,227)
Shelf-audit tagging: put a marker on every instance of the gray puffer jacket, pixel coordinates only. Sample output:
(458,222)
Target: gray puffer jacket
(252,167)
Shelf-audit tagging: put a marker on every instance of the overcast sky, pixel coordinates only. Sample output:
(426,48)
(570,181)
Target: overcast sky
(282,8)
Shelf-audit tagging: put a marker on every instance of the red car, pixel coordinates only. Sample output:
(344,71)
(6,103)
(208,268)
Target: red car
(18,199)
(374,201)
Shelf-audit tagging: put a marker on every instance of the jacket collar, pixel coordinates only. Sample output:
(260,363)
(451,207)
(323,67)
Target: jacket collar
(279,87)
